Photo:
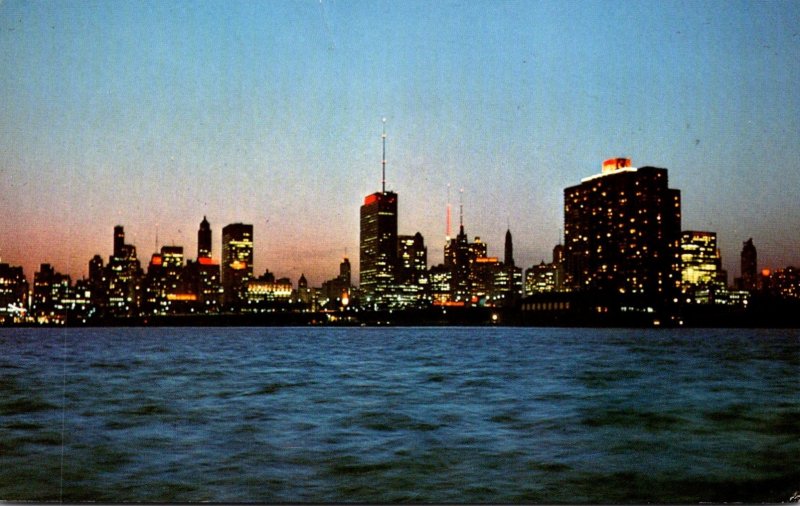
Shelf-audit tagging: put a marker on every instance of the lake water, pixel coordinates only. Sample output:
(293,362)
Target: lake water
(399,414)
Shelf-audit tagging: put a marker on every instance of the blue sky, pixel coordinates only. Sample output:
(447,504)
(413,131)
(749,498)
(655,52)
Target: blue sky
(154,114)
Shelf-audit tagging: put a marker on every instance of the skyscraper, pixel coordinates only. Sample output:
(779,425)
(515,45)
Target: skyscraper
(509,257)
(378,240)
(344,272)
(622,235)
(204,239)
(119,241)
(412,258)
(749,266)
(124,274)
(237,261)
(13,293)
(701,263)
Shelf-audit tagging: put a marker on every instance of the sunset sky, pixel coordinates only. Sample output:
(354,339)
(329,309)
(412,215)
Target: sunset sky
(154,114)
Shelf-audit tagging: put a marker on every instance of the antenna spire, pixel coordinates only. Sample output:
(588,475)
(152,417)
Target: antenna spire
(461,209)
(383,161)
(448,212)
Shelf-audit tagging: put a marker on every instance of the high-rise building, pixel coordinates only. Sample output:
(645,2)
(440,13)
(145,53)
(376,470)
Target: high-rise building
(701,263)
(204,239)
(13,293)
(237,261)
(378,241)
(546,278)
(622,236)
(749,266)
(457,259)
(345,272)
(412,258)
(49,289)
(98,281)
(509,257)
(378,244)
(119,241)
(124,273)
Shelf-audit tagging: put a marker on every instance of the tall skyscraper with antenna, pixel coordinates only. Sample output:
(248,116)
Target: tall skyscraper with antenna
(378,240)
(457,258)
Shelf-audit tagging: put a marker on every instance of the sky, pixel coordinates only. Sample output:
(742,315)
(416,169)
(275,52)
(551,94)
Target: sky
(154,114)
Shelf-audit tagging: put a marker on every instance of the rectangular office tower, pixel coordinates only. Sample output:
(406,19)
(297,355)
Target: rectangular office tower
(622,231)
(237,262)
(378,245)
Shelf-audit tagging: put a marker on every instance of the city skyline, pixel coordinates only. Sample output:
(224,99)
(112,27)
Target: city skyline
(154,115)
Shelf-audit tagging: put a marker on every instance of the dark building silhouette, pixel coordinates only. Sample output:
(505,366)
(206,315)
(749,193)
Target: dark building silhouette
(458,255)
(345,272)
(749,266)
(508,260)
(98,282)
(119,241)
(237,262)
(204,239)
(622,237)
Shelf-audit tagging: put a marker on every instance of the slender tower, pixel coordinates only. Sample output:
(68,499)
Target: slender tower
(461,210)
(383,162)
(447,231)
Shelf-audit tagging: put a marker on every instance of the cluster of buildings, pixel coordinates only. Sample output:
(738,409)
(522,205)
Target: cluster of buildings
(623,252)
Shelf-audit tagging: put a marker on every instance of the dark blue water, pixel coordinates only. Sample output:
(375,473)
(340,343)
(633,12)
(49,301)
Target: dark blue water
(377,415)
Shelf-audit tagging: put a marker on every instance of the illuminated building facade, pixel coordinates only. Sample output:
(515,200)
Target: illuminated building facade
(440,284)
(237,262)
(13,294)
(412,257)
(622,236)
(546,278)
(49,289)
(205,272)
(542,278)
(266,289)
(784,283)
(701,263)
(123,274)
(378,246)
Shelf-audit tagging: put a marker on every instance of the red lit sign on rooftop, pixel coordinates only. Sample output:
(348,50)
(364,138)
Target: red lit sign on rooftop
(613,164)
(371,199)
(205,261)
